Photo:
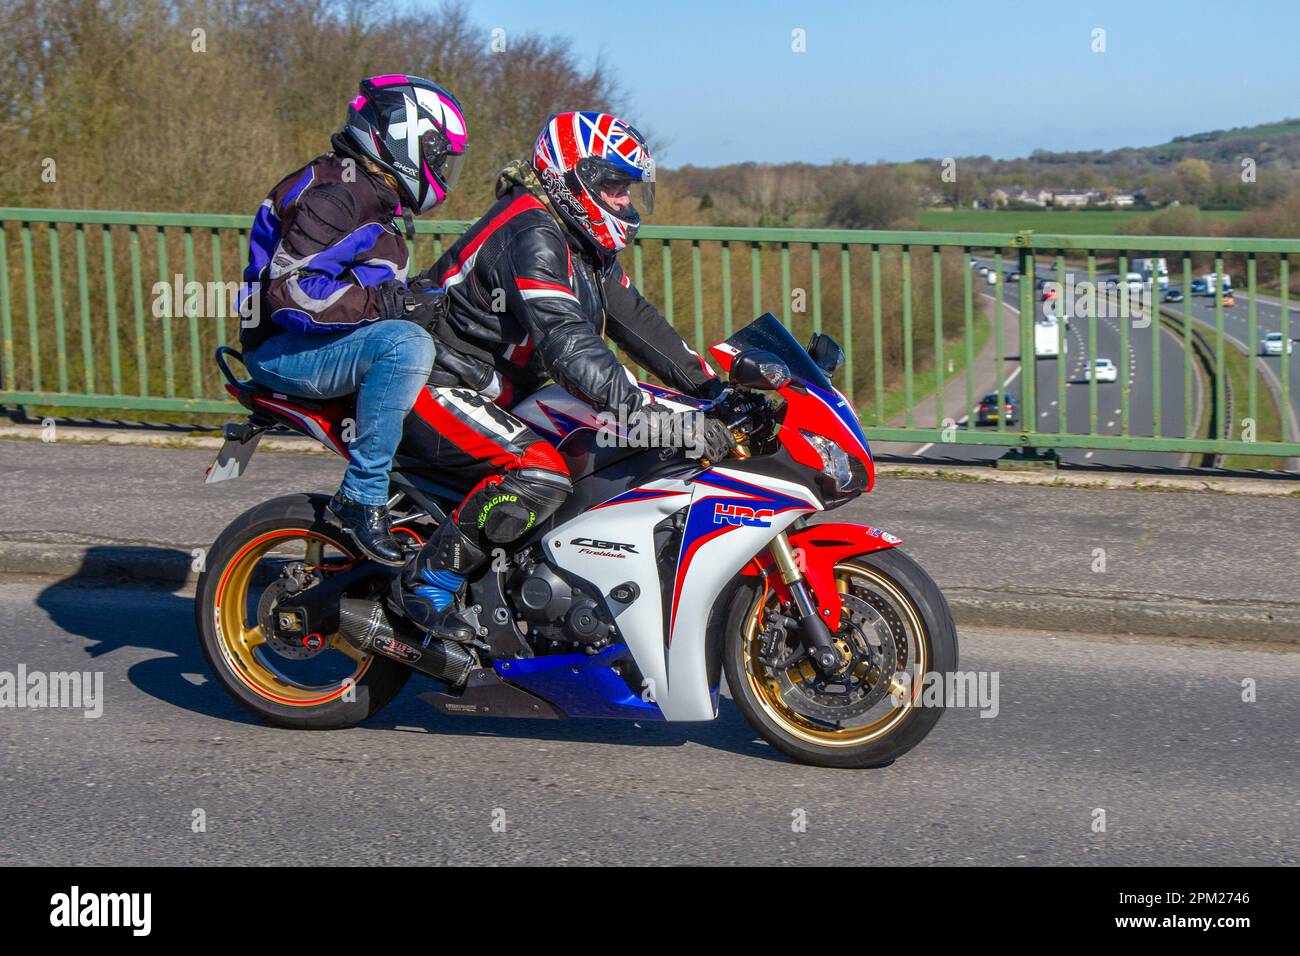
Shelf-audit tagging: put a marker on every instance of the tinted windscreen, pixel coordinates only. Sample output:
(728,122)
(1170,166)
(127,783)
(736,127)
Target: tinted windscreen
(766,332)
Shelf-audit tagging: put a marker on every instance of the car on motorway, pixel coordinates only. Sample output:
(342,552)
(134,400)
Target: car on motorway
(1272,344)
(1013,275)
(1103,370)
(1227,300)
(1173,295)
(1200,287)
(988,412)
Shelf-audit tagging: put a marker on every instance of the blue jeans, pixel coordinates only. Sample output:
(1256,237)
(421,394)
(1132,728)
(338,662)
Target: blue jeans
(385,363)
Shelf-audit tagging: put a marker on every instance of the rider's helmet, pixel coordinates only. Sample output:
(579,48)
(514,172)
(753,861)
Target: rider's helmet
(412,129)
(581,159)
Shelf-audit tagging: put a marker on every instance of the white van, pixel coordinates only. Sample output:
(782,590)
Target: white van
(1216,282)
(1048,341)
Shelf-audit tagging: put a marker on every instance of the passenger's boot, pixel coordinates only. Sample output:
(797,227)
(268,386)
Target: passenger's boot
(430,586)
(368,527)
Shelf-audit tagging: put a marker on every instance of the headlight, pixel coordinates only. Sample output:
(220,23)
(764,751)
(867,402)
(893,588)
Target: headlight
(835,460)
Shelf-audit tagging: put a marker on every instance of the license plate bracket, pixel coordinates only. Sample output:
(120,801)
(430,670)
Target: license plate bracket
(233,457)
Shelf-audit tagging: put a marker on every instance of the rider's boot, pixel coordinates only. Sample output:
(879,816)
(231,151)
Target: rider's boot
(368,527)
(429,587)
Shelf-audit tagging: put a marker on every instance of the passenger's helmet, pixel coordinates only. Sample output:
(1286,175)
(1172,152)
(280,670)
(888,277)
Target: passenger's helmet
(579,155)
(413,130)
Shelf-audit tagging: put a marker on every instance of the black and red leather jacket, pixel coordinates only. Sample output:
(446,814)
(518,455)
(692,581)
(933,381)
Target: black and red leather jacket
(533,301)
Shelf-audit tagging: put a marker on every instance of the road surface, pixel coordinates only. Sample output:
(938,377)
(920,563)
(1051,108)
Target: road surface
(1156,735)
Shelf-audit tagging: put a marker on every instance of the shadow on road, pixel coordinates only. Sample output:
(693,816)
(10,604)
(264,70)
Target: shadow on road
(156,619)
(89,604)
(729,732)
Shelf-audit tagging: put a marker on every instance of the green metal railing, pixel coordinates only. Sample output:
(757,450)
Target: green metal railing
(911,313)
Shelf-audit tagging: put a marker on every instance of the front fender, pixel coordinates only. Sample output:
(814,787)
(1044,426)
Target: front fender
(817,548)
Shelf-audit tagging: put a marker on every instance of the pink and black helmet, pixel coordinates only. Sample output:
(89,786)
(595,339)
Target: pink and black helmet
(414,130)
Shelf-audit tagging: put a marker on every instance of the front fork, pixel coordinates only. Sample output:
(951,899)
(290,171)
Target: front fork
(815,633)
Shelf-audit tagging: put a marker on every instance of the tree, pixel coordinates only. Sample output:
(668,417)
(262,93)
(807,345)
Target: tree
(1195,183)
(878,197)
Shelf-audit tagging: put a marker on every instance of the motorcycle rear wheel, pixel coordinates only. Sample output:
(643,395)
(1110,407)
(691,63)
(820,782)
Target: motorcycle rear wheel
(912,607)
(348,687)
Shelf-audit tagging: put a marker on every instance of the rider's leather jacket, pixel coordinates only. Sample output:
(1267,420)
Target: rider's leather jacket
(321,242)
(526,297)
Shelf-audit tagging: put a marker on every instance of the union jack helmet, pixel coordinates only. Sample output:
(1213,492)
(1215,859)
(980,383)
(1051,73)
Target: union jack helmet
(412,129)
(587,161)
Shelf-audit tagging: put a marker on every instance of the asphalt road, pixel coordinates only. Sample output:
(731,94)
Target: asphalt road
(1073,391)
(1236,324)
(1155,734)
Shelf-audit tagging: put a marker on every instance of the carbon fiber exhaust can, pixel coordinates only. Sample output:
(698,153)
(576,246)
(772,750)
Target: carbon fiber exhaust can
(366,626)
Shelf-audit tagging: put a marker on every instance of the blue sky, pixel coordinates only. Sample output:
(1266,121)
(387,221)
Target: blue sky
(717,82)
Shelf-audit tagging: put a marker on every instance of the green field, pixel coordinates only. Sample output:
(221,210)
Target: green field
(1071,222)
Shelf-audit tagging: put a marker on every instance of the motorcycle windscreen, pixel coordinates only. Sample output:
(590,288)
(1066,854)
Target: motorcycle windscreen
(766,332)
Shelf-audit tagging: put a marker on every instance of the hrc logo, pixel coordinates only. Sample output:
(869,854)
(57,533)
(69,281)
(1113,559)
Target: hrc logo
(741,515)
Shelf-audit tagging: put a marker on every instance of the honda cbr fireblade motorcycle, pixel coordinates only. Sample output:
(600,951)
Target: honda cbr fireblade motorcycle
(659,574)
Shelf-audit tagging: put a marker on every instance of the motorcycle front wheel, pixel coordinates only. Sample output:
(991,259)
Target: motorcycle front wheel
(896,634)
(319,684)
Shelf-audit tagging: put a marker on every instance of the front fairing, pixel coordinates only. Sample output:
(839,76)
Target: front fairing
(812,403)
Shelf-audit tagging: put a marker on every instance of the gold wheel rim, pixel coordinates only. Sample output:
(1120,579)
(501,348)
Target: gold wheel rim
(239,642)
(768,692)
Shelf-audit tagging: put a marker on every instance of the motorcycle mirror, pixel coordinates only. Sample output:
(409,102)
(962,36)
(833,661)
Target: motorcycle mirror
(825,352)
(756,368)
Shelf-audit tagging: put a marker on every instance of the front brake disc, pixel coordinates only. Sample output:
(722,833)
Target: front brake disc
(873,635)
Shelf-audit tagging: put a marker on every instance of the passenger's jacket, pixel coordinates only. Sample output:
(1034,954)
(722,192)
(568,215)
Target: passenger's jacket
(526,297)
(321,241)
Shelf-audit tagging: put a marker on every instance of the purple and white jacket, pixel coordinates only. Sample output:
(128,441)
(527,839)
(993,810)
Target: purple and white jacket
(318,247)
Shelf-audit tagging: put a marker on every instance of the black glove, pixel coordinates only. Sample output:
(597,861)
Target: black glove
(430,309)
(696,435)
(396,301)
(710,389)
(719,442)
(652,426)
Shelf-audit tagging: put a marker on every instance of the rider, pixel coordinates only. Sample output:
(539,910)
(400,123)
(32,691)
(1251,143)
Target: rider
(329,264)
(530,289)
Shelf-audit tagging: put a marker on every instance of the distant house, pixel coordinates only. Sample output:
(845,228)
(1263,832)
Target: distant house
(1071,197)
(1123,199)
(1005,195)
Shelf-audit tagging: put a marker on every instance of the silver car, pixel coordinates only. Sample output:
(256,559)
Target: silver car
(1271,344)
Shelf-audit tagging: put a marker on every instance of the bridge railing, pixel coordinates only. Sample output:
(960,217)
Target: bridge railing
(122,310)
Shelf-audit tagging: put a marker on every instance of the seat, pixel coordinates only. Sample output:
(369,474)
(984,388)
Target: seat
(323,420)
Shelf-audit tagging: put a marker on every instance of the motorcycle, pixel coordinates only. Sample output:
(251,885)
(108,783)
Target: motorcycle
(658,575)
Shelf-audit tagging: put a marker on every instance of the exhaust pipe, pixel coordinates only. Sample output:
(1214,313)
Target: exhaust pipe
(365,625)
